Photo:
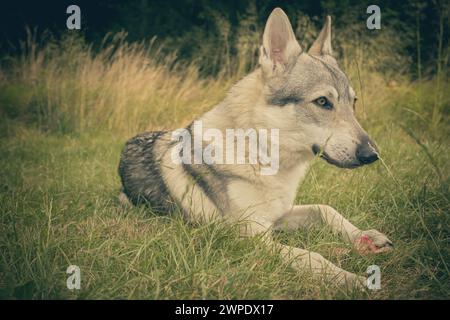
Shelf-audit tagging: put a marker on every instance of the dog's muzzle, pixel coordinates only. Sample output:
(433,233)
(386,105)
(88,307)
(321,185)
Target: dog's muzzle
(364,155)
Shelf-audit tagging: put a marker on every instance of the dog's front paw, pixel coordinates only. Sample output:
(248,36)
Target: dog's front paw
(372,241)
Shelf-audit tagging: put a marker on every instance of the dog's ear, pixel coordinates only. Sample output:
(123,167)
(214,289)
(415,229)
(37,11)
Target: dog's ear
(322,45)
(280,49)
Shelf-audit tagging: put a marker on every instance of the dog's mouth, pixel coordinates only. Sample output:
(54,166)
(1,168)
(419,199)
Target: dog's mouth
(346,165)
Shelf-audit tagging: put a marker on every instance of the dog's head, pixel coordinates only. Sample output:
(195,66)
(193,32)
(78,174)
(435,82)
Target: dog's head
(311,97)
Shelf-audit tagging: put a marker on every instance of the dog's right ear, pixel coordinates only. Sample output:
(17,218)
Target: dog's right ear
(322,45)
(280,48)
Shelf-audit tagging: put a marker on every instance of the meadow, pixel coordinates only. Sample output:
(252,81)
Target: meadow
(66,110)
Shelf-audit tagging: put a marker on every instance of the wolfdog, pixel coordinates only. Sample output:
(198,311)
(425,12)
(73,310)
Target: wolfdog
(310,101)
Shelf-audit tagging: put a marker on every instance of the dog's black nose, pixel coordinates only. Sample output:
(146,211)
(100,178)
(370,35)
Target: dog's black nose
(367,152)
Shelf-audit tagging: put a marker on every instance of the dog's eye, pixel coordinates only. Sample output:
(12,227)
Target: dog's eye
(324,103)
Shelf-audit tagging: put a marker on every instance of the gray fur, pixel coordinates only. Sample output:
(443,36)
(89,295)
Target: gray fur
(139,170)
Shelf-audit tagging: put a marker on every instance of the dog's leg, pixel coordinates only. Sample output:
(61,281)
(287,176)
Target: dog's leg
(304,216)
(307,260)
(301,260)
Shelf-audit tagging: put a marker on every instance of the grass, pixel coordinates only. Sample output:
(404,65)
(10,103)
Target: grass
(61,134)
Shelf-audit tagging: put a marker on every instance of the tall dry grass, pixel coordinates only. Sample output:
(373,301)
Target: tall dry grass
(70,86)
(122,86)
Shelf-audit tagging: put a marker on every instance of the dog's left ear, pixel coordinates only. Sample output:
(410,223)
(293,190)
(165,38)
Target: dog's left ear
(280,48)
(322,45)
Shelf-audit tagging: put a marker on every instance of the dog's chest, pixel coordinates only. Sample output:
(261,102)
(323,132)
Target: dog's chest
(283,186)
(269,197)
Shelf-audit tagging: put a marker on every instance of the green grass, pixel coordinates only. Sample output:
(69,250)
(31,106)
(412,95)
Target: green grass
(58,207)
(62,128)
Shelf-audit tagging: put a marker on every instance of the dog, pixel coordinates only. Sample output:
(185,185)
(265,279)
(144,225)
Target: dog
(310,101)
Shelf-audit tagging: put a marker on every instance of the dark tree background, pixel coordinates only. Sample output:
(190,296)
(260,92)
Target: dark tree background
(188,25)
